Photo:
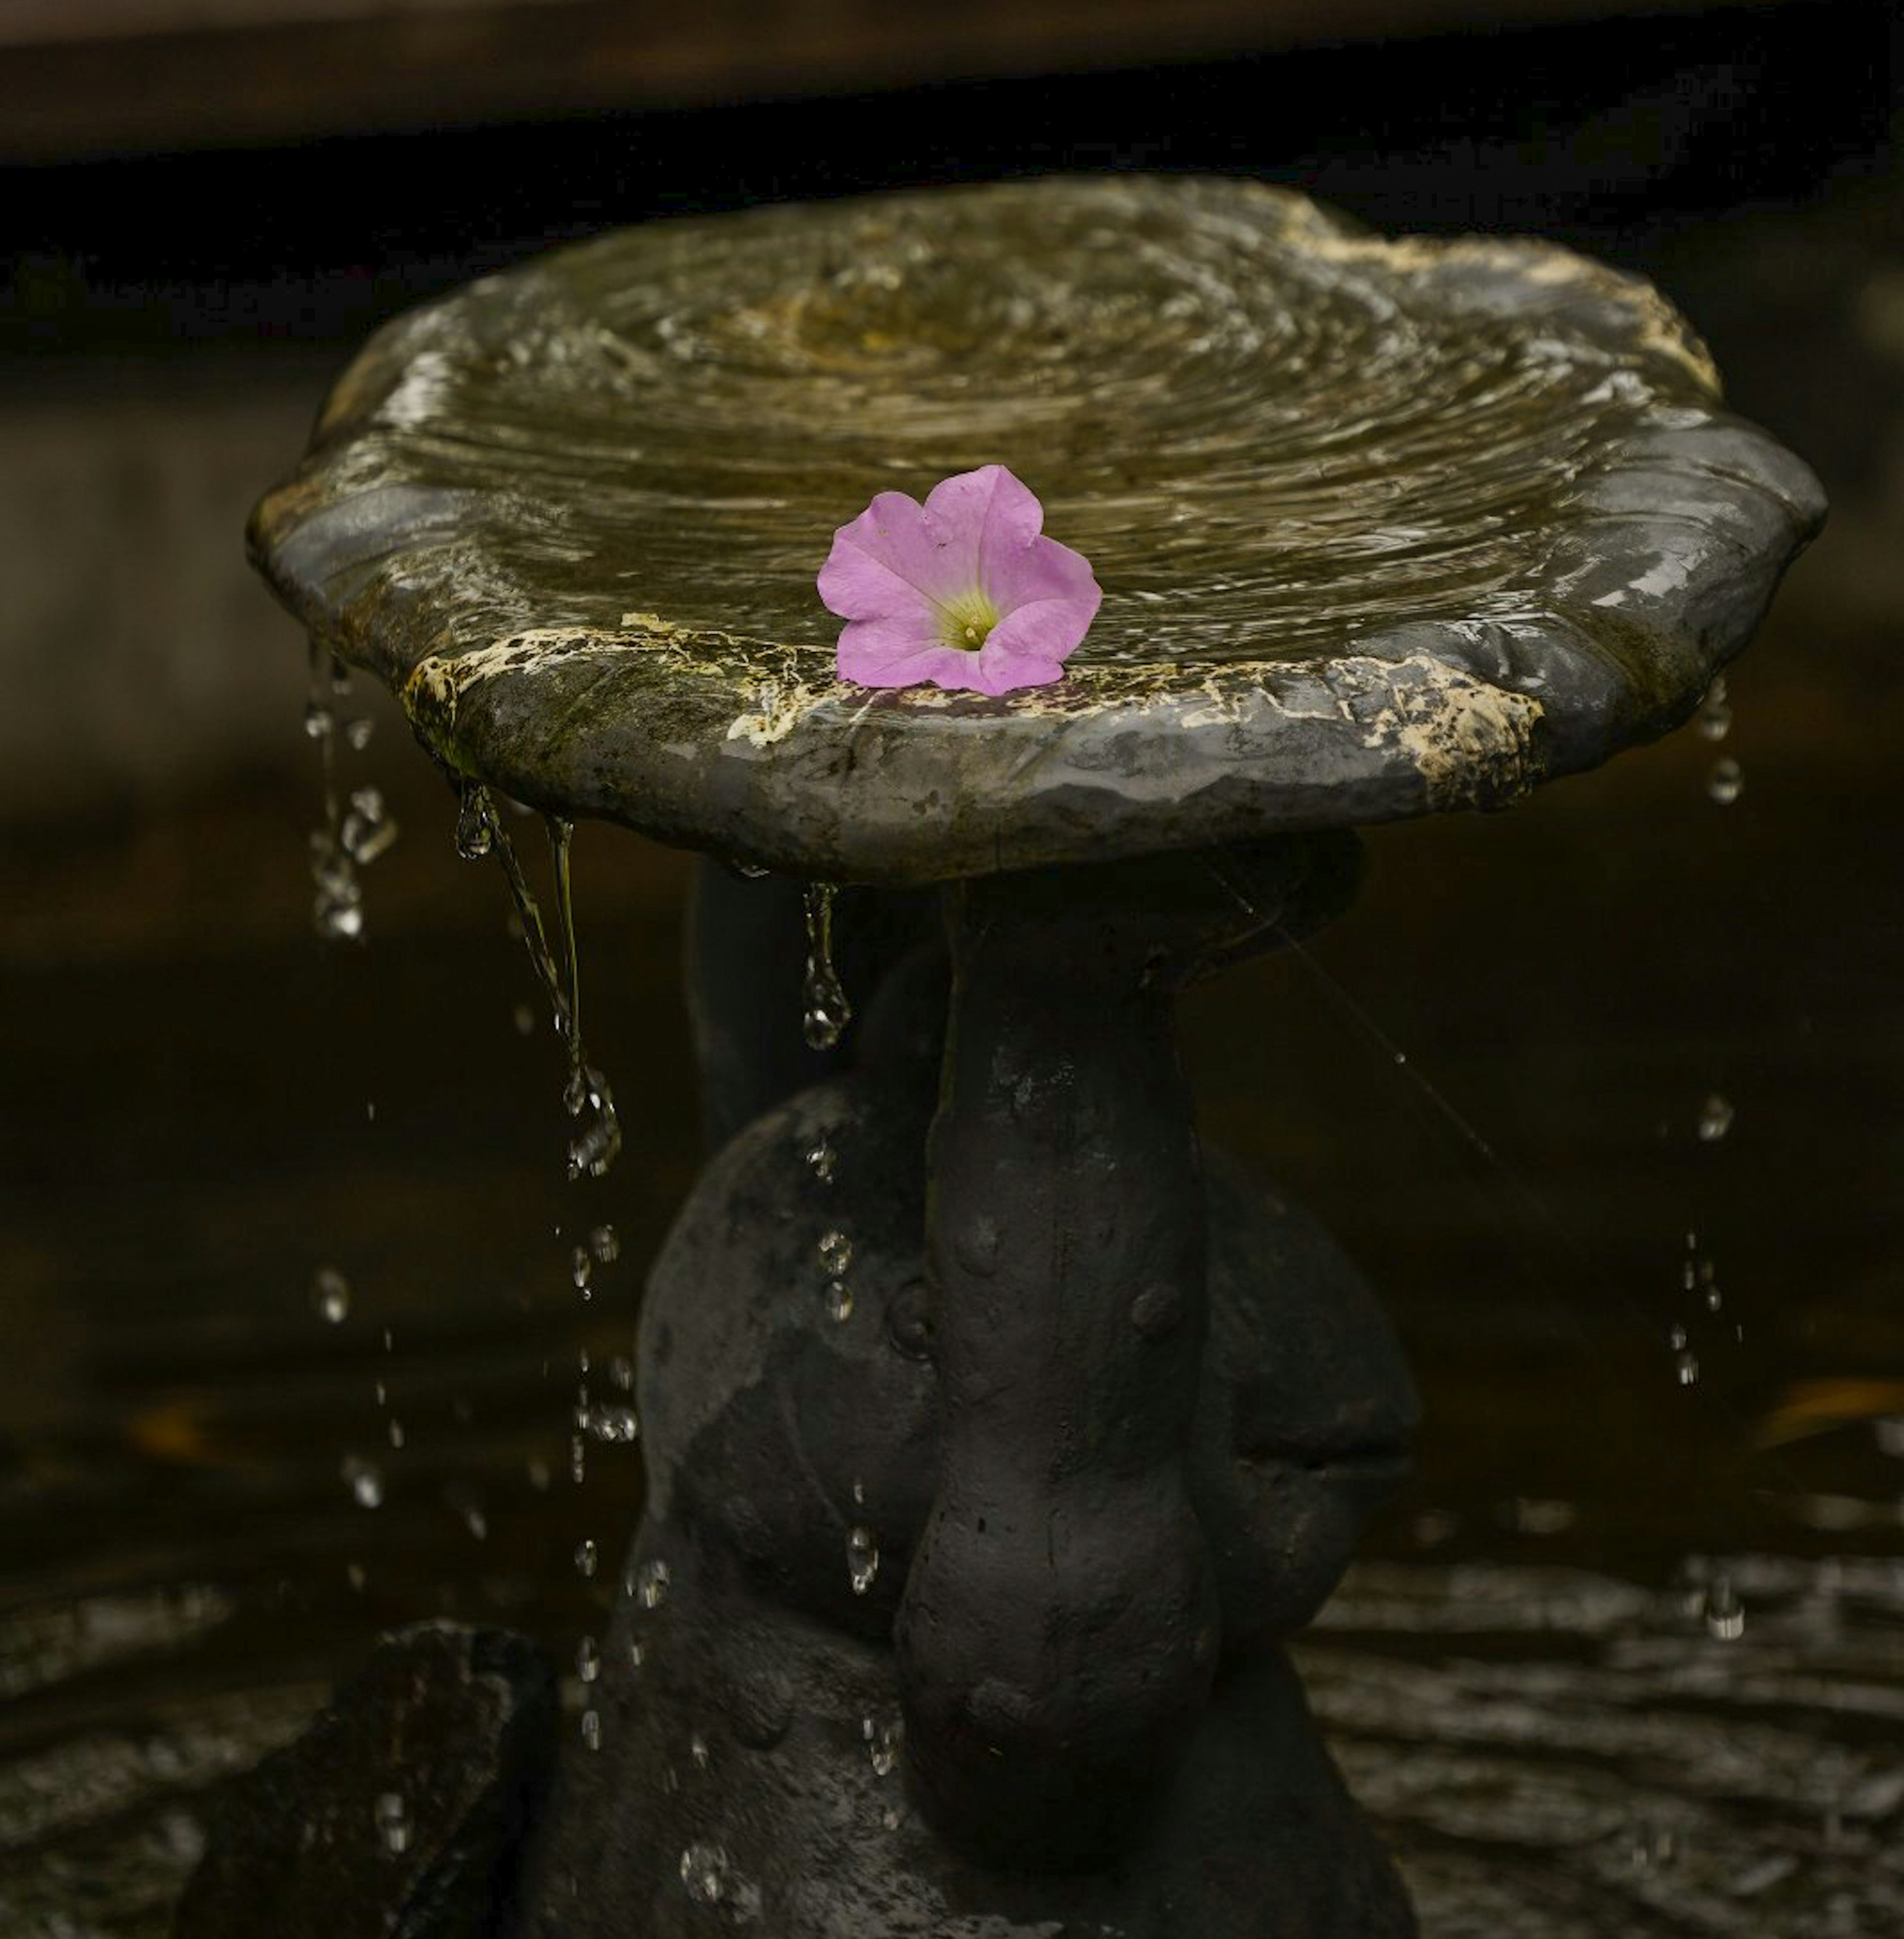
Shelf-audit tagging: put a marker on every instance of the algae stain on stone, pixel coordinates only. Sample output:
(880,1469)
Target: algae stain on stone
(1472,743)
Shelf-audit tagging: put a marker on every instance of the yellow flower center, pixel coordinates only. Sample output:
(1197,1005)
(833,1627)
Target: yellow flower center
(966,622)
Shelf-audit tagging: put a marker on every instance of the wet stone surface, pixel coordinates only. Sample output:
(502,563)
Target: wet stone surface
(1384,526)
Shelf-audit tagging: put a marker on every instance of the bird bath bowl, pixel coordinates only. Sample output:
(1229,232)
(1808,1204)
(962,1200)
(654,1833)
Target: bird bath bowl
(997,1437)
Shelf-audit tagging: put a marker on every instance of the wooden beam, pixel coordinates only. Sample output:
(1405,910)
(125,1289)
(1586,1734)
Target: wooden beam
(89,77)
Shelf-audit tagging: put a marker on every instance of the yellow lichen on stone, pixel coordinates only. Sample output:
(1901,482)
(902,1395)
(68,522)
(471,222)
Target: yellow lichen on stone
(1470,741)
(780,709)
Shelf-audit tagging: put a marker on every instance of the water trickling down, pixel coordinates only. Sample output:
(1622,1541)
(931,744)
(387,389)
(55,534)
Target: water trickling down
(650,1584)
(585,1095)
(330,1295)
(1726,781)
(862,1558)
(705,1872)
(1715,717)
(1725,1614)
(612,1424)
(337,911)
(882,1742)
(827,1011)
(391,1817)
(364,1479)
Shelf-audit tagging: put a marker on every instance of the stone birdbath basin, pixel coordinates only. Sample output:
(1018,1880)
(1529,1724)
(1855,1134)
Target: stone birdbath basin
(997,1436)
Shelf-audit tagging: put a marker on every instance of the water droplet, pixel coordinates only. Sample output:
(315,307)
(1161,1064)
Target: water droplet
(391,1817)
(330,1295)
(337,910)
(840,1300)
(611,1425)
(827,1011)
(396,1433)
(588,1659)
(704,1871)
(604,1242)
(1686,1366)
(369,828)
(1715,1299)
(862,1558)
(1725,1614)
(889,1817)
(597,1142)
(859,1493)
(592,1730)
(1726,782)
(836,1253)
(476,822)
(1716,1117)
(652,1581)
(1676,1339)
(697,1748)
(621,1370)
(822,1159)
(358,731)
(364,1479)
(578,1460)
(476,1522)
(1715,720)
(1653,1847)
(882,1743)
(581,1270)
(585,1559)
(319,722)
(354,1575)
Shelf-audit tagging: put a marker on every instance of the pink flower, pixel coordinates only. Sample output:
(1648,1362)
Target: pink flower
(963,591)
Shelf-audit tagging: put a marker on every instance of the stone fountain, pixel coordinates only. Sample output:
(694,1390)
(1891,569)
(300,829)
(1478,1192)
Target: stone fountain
(997,1436)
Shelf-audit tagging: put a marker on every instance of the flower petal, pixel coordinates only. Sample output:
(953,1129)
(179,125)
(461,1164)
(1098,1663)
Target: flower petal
(886,561)
(997,670)
(1044,570)
(980,518)
(885,652)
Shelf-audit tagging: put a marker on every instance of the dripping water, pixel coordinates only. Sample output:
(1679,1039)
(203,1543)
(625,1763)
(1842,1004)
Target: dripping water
(585,1095)
(827,1011)
(1564,1244)
(355,828)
